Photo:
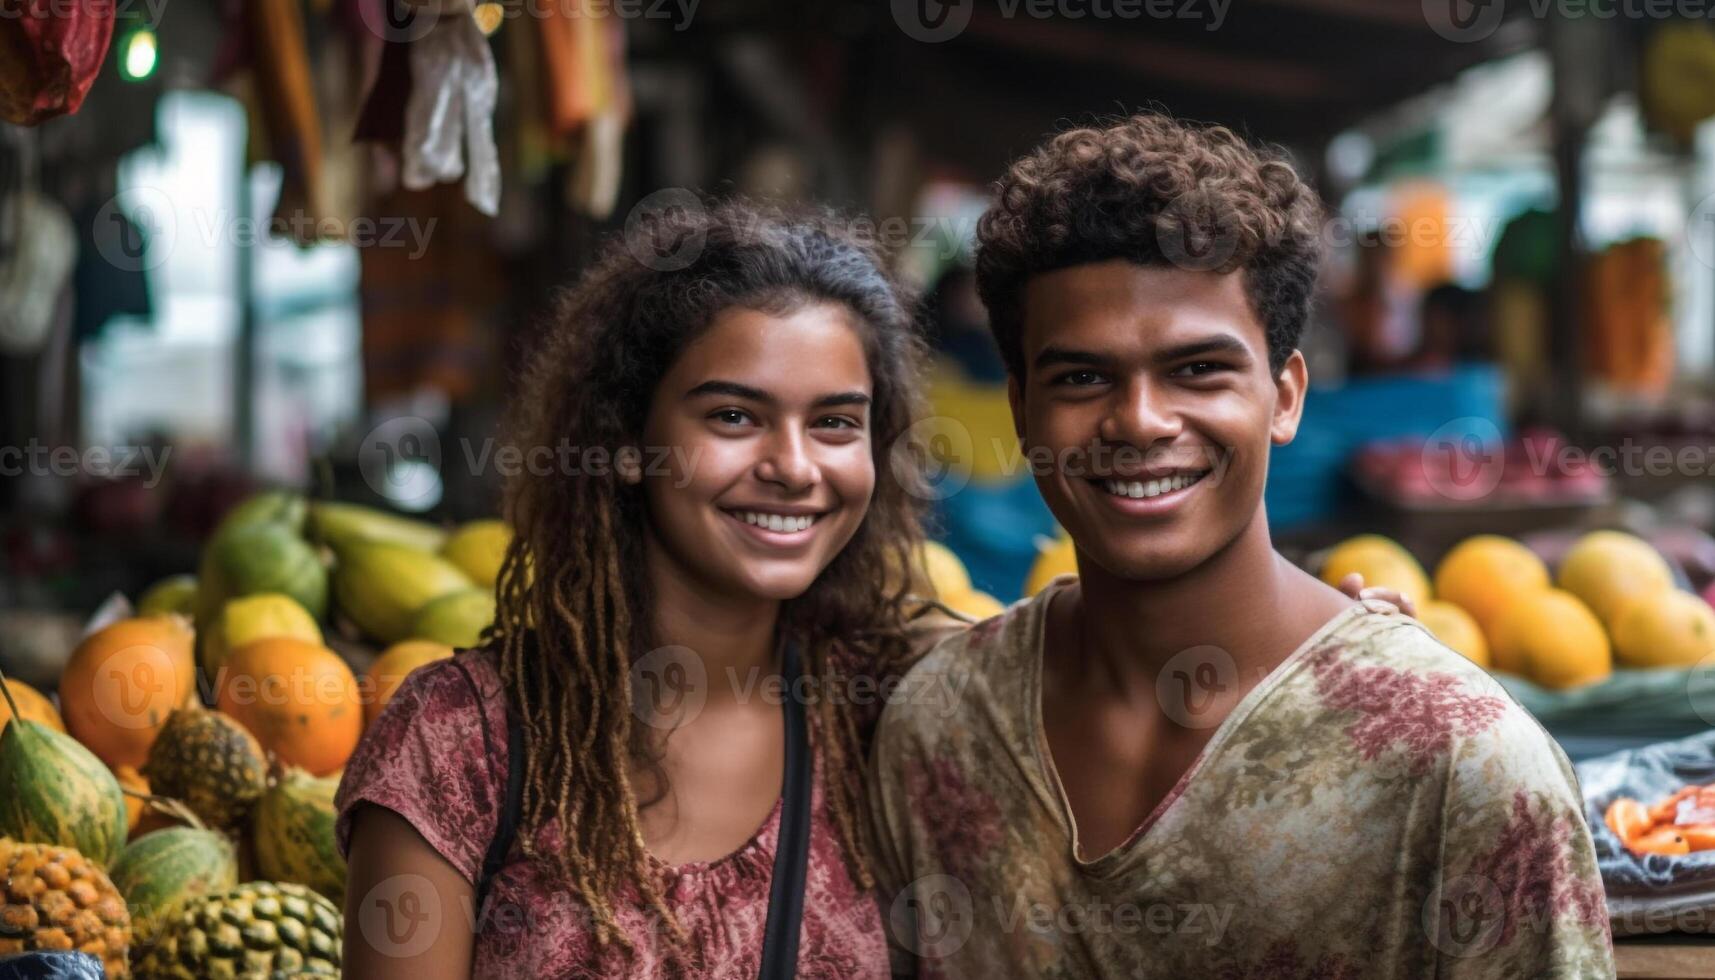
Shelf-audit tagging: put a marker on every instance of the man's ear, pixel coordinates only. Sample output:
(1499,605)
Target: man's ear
(1015,398)
(1289,388)
(628,462)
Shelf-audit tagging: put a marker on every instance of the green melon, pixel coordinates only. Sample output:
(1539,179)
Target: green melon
(160,871)
(55,791)
(294,833)
(456,619)
(260,558)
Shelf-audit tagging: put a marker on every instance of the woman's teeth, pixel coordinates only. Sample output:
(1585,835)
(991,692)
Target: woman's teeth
(1150,488)
(776,522)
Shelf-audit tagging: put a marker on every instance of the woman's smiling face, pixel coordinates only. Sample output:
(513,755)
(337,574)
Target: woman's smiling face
(757,455)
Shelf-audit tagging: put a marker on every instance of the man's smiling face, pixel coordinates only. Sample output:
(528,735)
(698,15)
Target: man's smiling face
(1150,389)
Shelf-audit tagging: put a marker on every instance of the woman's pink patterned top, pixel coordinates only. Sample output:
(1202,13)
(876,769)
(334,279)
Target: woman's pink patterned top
(424,758)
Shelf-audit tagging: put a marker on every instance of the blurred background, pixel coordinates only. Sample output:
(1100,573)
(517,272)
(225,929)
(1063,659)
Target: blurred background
(288,247)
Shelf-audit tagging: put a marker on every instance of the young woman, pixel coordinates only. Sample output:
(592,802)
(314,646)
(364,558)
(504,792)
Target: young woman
(703,485)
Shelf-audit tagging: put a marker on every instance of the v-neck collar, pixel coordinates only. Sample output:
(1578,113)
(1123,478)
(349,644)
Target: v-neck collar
(1120,857)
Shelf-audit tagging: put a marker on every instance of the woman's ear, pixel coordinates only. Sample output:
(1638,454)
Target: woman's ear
(628,461)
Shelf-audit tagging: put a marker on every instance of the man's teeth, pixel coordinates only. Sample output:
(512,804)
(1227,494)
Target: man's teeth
(777,522)
(1150,488)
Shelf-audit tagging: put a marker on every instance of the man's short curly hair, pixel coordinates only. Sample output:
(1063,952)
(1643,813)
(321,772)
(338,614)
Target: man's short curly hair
(1156,191)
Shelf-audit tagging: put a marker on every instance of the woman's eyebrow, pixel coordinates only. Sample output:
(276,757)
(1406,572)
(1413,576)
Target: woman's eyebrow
(732,388)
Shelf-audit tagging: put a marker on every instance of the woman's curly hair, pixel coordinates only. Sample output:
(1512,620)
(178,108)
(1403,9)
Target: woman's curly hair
(574,602)
(1156,191)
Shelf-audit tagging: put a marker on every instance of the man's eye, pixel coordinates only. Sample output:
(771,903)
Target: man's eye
(730,416)
(1079,378)
(1200,367)
(837,422)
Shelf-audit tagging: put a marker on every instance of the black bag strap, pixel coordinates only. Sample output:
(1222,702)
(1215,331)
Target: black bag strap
(792,850)
(506,831)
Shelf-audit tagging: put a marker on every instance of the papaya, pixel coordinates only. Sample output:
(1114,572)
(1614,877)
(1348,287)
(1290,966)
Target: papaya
(341,525)
(293,833)
(380,586)
(161,871)
(34,704)
(478,549)
(456,619)
(57,792)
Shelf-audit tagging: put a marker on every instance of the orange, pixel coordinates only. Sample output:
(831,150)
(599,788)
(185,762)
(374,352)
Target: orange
(123,681)
(32,704)
(1381,561)
(298,698)
(389,670)
(1608,569)
(129,778)
(1664,629)
(1486,576)
(1455,627)
(1553,639)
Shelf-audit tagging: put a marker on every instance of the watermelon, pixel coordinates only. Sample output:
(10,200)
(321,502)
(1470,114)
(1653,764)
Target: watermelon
(294,833)
(57,792)
(161,870)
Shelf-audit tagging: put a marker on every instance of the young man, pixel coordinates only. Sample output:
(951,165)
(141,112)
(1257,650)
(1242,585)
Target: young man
(1196,760)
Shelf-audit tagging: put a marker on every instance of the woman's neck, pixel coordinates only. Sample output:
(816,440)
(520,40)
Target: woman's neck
(731,635)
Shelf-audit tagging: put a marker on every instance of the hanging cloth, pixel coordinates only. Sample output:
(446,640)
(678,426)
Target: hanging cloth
(454,87)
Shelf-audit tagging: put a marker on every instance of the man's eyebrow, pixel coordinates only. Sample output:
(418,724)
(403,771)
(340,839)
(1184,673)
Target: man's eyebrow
(1217,344)
(1055,354)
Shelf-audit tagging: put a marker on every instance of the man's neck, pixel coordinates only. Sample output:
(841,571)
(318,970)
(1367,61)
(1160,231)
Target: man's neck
(1246,600)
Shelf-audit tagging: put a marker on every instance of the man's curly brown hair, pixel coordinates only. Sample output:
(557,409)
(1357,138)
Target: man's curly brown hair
(1156,191)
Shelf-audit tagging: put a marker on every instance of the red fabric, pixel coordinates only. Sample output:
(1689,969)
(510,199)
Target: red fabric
(422,759)
(48,62)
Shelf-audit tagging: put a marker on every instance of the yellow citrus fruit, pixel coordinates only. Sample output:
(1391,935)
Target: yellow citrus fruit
(32,704)
(175,594)
(1552,638)
(947,574)
(1381,561)
(1486,576)
(1059,558)
(1608,569)
(1664,629)
(245,620)
(478,549)
(1455,627)
(389,670)
(975,604)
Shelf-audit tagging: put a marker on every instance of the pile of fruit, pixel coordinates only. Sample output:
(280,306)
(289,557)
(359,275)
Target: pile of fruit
(1611,602)
(173,815)
(1679,824)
